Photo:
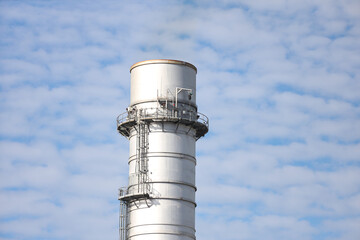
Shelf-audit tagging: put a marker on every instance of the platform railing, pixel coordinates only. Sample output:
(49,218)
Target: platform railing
(123,191)
(159,113)
(135,187)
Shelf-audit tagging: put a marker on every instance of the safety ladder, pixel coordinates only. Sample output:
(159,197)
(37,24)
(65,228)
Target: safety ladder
(123,220)
(142,173)
(141,157)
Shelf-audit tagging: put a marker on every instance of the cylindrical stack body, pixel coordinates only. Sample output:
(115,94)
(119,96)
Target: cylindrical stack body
(162,125)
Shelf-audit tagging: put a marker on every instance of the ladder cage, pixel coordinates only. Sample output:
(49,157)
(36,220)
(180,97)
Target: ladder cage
(123,220)
(142,189)
(142,147)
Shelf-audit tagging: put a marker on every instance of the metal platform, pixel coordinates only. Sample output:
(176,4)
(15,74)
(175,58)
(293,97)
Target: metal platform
(129,197)
(196,120)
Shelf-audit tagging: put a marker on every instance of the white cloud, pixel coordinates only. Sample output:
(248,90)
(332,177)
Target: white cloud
(279,81)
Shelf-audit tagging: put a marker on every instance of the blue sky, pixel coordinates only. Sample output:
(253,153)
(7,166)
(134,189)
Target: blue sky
(278,79)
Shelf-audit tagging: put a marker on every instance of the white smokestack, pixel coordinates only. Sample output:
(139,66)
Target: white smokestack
(162,125)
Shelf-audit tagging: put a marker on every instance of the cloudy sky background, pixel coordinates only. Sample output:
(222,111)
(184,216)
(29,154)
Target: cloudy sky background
(278,79)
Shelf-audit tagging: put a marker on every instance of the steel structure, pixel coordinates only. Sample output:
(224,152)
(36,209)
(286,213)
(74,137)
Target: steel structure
(162,124)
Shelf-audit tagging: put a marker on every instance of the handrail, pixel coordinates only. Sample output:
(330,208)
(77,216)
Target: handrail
(121,118)
(158,113)
(123,191)
(203,119)
(138,189)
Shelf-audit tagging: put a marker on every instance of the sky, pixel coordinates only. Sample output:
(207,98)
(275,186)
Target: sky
(279,81)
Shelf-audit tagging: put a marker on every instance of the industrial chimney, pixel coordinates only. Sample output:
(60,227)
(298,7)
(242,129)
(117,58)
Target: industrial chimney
(162,124)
